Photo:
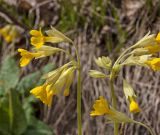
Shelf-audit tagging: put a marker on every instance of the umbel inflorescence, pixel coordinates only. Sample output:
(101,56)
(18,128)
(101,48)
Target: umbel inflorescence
(143,54)
(57,80)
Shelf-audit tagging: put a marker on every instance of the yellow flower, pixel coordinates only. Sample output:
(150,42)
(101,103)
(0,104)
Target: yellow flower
(100,107)
(134,107)
(153,48)
(154,64)
(38,39)
(38,53)
(42,92)
(26,57)
(9,33)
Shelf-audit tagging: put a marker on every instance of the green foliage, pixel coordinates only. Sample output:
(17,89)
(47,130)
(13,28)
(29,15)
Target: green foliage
(31,80)
(68,15)
(16,111)
(13,120)
(99,9)
(36,127)
(9,75)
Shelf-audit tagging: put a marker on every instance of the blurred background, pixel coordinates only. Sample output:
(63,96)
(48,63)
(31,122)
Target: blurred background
(98,27)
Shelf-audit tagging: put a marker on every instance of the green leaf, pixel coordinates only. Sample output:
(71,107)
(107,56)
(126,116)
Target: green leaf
(4,117)
(48,68)
(28,82)
(9,74)
(37,127)
(18,119)
(31,80)
(12,116)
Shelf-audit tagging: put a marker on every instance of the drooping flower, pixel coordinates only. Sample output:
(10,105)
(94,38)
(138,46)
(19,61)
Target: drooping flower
(101,107)
(154,63)
(42,92)
(9,33)
(38,53)
(130,96)
(26,57)
(56,81)
(153,44)
(38,39)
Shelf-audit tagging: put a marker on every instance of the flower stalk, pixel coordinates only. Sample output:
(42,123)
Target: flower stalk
(114,101)
(79,113)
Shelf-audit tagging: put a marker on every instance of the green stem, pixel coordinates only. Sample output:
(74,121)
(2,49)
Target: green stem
(148,128)
(10,109)
(79,117)
(114,103)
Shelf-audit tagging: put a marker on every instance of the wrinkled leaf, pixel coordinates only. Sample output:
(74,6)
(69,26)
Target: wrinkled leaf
(36,127)
(9,74)
(19,120)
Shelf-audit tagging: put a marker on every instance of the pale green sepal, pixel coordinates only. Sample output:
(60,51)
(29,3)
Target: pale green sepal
(62,80)
(137,60)
(47,51)
(140,51)
(55,33)
(104,62)
(118,117)
(146,40)
(96,74)
(128,90)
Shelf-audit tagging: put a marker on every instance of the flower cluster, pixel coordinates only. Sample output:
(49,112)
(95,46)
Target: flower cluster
(143,54)
(58,80)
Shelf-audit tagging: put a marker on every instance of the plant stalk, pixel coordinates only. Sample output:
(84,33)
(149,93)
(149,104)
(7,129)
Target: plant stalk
(114,102)
(148,128)
(79,119)
(79,112)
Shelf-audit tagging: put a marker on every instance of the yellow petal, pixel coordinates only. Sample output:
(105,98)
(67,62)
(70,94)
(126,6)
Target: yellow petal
(153,48)
(24,61)
(37,41)
(40,92)
(100,107)
(26,57)
(35,33)
(134,107)
(49,97)
(154,64)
